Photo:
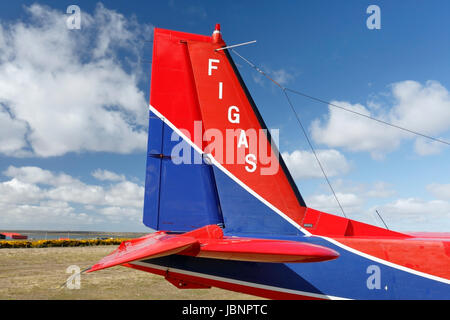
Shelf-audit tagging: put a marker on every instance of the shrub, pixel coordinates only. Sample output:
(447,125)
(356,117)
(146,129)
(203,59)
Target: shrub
(58,243)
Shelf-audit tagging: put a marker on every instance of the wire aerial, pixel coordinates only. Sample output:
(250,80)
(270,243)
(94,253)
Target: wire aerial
(285,89)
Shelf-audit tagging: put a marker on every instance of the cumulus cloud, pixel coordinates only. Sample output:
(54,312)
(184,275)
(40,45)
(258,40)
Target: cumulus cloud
(38,198)
(422,108)
(303,164)
(413,214)
(282,76)
(57,216)
(36,175)
(440,191)
(105,175)
(380,190)
(351,203)
(71,90)
(402,214)
(425,147)
(12,134)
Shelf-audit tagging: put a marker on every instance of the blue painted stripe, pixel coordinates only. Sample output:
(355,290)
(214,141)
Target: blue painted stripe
(243,213)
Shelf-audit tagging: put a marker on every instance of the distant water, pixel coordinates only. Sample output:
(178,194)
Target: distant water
(79,235)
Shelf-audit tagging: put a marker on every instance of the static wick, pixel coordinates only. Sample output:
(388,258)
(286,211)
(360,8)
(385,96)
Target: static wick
(236,45)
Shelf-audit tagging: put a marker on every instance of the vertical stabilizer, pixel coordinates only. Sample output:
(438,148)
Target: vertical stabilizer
(197,91)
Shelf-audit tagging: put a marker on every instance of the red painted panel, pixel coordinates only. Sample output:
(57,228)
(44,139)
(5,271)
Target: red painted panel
(212,244)
(211,231)
(428,256)
(181,283)
(154,245)
(208,242)
(357,229)
(430,235)
(321,223)
(221,97)
(172,90)
(325,224)
(262,250)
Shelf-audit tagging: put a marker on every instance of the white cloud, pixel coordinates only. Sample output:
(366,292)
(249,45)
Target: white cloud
(30,216)
(16,191)
(354,133)
(440,191)
(303,164)
(12,134)
(37,198)
(380,190)
(67,90)
(422,108)
(105,175)
(282,76)
(124,193)
(425,147)
(36,175)
(412,214)
(352,203)
(403,214)
(400,214)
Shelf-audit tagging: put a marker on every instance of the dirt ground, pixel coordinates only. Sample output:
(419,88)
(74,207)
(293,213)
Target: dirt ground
(38,273)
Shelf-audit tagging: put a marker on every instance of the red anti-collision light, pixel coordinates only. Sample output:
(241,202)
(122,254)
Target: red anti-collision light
(217,36)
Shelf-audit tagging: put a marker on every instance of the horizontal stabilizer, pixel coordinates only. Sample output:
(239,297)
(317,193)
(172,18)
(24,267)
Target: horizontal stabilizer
(263,250)
(209,242)
(155,245)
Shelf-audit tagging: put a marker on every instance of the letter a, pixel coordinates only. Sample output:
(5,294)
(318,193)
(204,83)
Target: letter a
(374,21)
(74,20)
(242,140)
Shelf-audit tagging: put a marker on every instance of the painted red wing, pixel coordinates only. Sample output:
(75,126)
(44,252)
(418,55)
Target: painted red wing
(208,242)
(155,245)
(265,250)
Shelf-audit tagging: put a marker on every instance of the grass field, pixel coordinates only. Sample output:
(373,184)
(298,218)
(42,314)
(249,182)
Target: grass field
(38,273)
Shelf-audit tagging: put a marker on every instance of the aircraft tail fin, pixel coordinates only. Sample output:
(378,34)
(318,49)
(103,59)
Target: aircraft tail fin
(211,159)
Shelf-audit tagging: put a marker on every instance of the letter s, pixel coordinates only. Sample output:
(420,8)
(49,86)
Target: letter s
(253,164)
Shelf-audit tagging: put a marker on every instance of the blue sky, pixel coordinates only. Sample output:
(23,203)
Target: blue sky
(73,105)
